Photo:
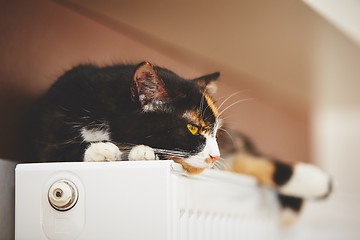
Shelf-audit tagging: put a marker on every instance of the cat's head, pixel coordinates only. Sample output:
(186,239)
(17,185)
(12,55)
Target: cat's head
(179,118)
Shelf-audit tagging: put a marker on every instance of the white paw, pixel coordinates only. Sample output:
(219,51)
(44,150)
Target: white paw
(101,152)
(288,217)
(142,152)
(307,181)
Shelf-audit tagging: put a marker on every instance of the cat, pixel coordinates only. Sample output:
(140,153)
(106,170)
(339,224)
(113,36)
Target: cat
(126,112)
(146,112)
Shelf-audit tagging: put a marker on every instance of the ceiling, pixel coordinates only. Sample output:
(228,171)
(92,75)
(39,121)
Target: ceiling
(264,45)
(342,14)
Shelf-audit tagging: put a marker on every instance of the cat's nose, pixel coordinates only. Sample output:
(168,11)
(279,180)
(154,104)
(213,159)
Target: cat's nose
(213,158)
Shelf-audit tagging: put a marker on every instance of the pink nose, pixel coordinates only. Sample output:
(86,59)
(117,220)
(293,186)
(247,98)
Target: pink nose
(213,158)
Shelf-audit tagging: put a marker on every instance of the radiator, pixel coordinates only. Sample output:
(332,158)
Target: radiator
(134,200)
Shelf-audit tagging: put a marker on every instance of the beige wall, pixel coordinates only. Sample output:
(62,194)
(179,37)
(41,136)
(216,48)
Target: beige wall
(40,39)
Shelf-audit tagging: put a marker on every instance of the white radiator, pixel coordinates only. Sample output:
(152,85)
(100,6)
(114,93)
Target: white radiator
(140,200)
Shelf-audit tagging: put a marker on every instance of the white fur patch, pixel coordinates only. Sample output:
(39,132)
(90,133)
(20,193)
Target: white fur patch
(95,135)
(211,148)
(307,181)
(142,152)
(187,115)
(102,152)
(157,105)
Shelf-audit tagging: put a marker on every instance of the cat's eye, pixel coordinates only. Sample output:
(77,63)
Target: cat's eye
(193,129)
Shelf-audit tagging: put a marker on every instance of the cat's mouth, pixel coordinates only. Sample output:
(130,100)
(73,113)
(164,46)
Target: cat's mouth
(194,162)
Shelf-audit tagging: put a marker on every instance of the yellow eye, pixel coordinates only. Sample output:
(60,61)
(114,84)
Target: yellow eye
(193,129)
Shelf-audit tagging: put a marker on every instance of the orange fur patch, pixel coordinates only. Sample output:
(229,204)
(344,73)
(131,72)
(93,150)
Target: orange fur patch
(260,168)
(194,118)
(189,169)
(212,105)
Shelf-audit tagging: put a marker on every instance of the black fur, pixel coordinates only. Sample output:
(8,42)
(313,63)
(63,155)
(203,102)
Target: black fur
(283,173)
(89,96)
(294,203)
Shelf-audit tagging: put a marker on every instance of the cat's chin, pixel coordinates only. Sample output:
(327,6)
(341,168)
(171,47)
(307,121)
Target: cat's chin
(189,168)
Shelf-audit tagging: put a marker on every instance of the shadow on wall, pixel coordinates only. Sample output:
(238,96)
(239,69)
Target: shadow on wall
(7,206)
(15,104)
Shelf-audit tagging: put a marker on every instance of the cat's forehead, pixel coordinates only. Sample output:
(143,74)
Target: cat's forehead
(203,114)
(211,105)
(193,116)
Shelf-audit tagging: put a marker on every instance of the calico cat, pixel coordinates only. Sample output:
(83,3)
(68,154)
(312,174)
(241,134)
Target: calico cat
(146,112)
(127,112)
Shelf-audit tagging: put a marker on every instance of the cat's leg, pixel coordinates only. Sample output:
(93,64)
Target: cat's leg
(100,148)
(142,152)
(108,151)
(102,151)
(291,207)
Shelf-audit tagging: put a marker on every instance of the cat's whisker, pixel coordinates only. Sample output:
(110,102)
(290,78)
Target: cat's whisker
(227,132)
(167,150)
(202,112)
(72,123)
(222,164)
(219,165)
(234,103)
(230,116)
(65,109)
(88,111)
(174,153)
(228,98)
(226,163)
(235,93)
(127,147)
(215,166)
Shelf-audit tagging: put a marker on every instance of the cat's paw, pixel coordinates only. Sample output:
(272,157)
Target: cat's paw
(142,152)
(102,152)
(288,217)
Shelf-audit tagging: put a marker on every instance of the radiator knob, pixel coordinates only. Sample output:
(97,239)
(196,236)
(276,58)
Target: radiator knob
(62,195)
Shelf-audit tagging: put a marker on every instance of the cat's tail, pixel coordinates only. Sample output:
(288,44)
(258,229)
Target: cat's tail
(302,180)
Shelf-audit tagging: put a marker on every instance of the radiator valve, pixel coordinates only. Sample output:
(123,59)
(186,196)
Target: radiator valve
(63,195)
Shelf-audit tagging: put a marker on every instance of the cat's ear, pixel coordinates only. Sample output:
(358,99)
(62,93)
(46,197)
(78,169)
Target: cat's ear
(207,83)
(148,89)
